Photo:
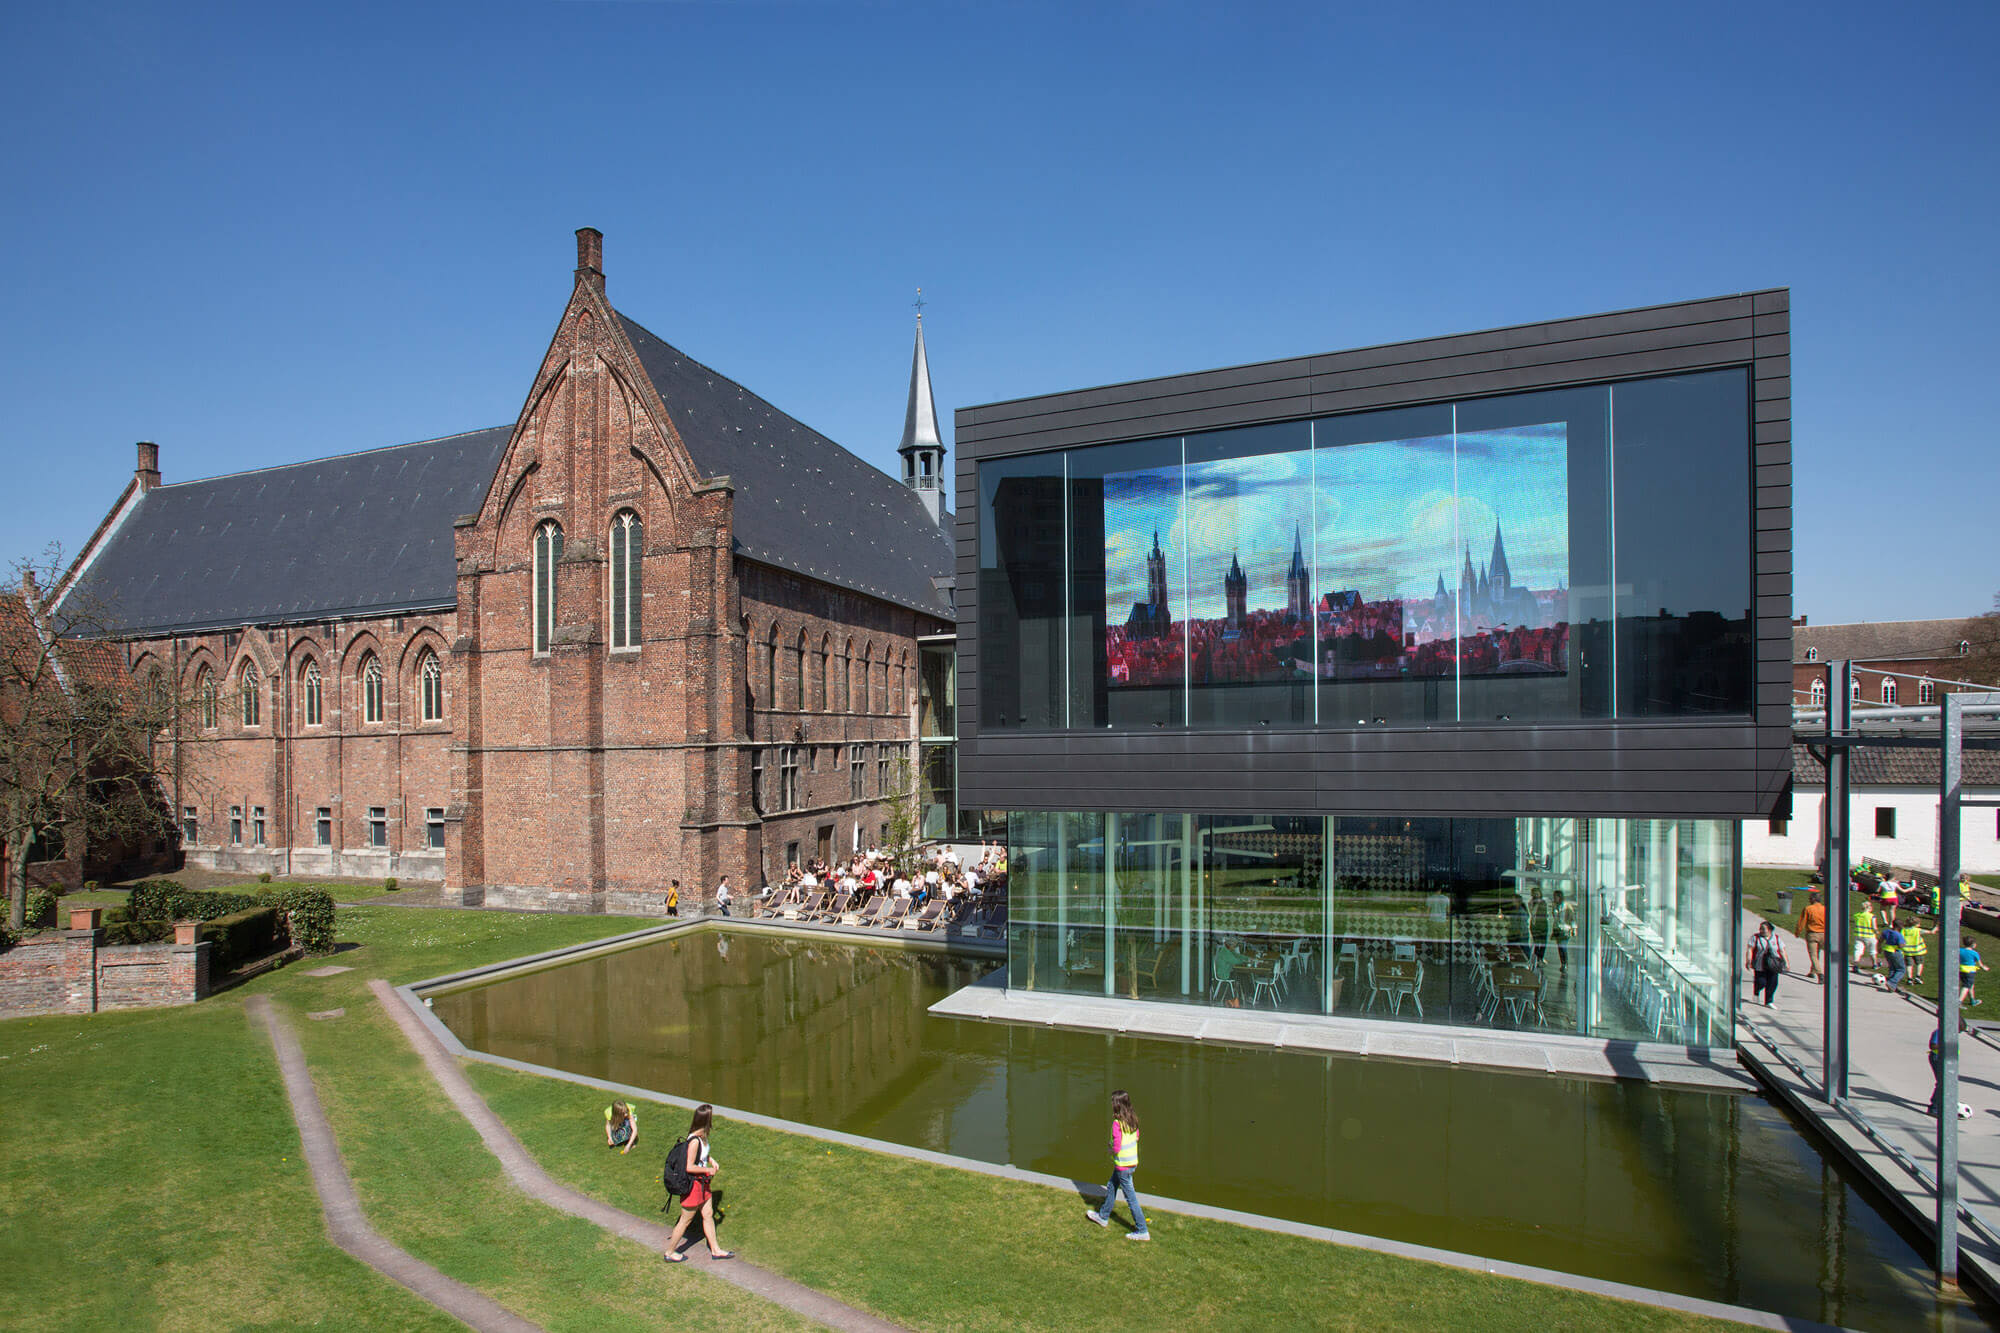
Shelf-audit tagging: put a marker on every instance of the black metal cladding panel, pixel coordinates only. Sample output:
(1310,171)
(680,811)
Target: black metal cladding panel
(1697,768)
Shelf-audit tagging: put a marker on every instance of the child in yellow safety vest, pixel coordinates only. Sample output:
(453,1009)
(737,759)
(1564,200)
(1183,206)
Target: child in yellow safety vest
(1915,949)
(1864,935)
(1124,1161)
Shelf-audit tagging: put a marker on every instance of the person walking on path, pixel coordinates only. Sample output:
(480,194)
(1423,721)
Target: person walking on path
(1864,936)
(1968,966)
(621,1127)
(1892,958)
(722,896)
(1766,961)
(1124,1161)
(701,1169)
(1812,929)
(674,898)
(1915,949)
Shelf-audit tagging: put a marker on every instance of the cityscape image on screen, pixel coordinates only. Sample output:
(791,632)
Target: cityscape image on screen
(1400,559)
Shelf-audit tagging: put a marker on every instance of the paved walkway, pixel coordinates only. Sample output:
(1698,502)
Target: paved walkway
(1889,1078)
(529,1177)
(344,1219)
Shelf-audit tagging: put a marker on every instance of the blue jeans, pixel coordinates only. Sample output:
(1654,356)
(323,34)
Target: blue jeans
(1122,1180)
(1896,969)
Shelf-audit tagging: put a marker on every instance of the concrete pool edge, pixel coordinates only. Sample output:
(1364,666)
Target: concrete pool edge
(414,1001)
(1552,1054)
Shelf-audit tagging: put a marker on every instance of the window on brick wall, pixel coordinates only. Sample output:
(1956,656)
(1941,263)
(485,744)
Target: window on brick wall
(857,772)
(257,826)
(236,825)
(882,753)
(1926,692)
(204,693)
(791,855)
(1885,821)
(309,694)
(252,697)
(434,827)
(371,689)
(378,826)
(788,777)
(757,794)
(190,825)
(1888,690)
(1819,694)
(323,826)
(430,676)
(628,540)
(548,554)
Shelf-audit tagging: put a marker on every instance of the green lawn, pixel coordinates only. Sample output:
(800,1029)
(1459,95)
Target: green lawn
(153,1180)
(1760,889)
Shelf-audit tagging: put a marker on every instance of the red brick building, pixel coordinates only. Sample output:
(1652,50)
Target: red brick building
(1900,662)
(655,629)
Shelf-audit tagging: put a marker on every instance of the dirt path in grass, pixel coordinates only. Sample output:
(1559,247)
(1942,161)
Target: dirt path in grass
(345,1221)
(528,1176)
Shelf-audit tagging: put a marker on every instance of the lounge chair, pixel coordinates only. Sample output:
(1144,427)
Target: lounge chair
(868,914)
(773,904)
(838,908)
(805,910)
(930,918)
(893,916)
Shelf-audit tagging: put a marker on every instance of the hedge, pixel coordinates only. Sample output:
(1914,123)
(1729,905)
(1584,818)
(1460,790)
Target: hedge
(307,917)
(164,900)
(240,937)
(305,914)
(39,909)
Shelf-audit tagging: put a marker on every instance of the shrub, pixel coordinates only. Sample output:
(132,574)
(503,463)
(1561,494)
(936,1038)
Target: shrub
(240,937)
(137,932)
(264,878)
(164,900)
(91,886)
(305,917)
(390,884)
(40,909)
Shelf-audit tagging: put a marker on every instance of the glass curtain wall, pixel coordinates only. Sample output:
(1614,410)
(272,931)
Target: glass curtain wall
(1562,555)
(1600,927)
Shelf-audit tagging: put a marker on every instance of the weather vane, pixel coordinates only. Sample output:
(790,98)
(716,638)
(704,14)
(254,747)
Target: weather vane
(920,303)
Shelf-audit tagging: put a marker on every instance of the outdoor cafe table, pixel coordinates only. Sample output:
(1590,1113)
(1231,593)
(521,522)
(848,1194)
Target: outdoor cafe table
(1387,972)
(1517,978)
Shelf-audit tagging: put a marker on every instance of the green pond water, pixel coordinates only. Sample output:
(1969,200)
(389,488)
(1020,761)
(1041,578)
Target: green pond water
(1715,1195)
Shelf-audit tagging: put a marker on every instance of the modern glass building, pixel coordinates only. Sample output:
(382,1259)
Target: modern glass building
(1424,682)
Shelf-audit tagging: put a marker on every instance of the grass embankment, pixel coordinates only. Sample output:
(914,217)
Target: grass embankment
(1760,890)
(153,1180)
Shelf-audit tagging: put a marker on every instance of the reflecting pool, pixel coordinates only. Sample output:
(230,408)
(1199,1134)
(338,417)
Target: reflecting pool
(1710,1194)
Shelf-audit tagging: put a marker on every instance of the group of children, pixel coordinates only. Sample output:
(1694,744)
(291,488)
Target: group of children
(1891,948)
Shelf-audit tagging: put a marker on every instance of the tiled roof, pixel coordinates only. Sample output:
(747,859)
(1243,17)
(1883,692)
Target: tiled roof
(358,534)
(1896,766)
(1891,639)
(803,503)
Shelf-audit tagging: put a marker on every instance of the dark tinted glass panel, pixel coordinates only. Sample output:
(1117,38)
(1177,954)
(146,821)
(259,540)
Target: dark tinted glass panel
(1682,462)
(1249,561)
(1021,593)
(1128,586)
(1534,518)
(1385,553)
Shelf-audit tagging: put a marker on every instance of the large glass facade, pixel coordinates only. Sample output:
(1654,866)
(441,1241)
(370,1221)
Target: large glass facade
(1571,554)
(1610,928)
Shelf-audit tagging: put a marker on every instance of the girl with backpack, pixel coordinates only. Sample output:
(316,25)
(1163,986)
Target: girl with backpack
(1766,962)
(1124,1161)
(700,1198)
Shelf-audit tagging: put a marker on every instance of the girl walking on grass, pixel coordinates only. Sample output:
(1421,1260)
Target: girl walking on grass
(701,1169)
(1124,1161)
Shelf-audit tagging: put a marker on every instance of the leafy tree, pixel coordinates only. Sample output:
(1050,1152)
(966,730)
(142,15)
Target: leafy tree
(903,807)
(77,733)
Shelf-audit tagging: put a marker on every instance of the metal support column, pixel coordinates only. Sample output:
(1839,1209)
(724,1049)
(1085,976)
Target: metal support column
(1839,703)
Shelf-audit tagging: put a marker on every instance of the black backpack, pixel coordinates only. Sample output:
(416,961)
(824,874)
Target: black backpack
(674,1172)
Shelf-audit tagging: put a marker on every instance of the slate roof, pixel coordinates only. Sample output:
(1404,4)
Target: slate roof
(359,534)
(1896,766)
(1886,639)
(803,503)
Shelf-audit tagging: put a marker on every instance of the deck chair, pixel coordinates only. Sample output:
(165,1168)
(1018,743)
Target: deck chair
(838,908)
(868,913)
(893,915)
(930,918)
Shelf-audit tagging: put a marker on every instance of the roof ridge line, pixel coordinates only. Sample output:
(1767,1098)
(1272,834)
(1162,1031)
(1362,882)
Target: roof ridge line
(328,458)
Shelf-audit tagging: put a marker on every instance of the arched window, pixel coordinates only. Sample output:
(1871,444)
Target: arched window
(826,681)
(1812,654)
(799,694)
(1854,689)
(1819,694)
(771,667)
(1964,647)
(205,693)
(867,678)
(156,689)
(430,676)
(1888,690)
(371,689)
(847,678)
(309,694)
(628,542)
(1926,692)
(252,697)
(548,554)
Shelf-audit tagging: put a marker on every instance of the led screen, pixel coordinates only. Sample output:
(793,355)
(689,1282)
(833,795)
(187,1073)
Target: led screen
(1400,559)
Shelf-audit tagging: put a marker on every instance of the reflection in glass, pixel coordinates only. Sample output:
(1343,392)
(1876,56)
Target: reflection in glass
(1021,593)
(1128,586)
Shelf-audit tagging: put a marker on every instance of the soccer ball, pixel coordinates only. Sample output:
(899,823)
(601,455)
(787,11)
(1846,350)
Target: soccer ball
(1964,1111)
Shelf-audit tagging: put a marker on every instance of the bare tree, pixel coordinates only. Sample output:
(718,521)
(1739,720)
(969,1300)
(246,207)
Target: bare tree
(77,733)
(903,805)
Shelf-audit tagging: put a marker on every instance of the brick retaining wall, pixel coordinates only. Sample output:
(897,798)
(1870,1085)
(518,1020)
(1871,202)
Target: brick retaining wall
(71,972)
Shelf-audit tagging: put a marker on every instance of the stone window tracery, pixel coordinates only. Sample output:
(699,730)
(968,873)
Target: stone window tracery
(371,690)
(548,554)
(628,540)
(310,696)
(431,676)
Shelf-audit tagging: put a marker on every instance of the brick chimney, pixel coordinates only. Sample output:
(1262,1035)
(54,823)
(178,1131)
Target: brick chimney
(590,256)
(148,472)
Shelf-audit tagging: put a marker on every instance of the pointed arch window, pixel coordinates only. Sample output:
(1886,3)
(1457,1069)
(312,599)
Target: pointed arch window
(799,696)
(205,696)
(1888,690)
(1926,692)
(252,697)
(847,678)
(771,668)
(1854,690)
(371,689)
(867,676)
(826,681)
(309,694)
(548,554)
(430,676)
(1819,694)
(628,542)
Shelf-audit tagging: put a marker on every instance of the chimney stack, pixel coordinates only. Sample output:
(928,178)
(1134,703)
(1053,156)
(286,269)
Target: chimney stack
(590,256)
(148,472)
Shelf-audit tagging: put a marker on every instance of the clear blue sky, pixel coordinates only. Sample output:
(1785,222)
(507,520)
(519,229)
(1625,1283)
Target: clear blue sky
(268,233)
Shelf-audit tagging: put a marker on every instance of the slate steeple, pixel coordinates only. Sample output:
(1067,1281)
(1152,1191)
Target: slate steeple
(922,449)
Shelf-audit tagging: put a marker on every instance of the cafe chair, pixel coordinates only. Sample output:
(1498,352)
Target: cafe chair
(1406,949)
(1375,988)
(1349,956)
(1223,970)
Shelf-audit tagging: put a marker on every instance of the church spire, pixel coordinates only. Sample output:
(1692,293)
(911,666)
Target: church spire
(922,448)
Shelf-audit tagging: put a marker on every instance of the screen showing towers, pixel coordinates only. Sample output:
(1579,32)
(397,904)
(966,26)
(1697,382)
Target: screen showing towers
(1406,559)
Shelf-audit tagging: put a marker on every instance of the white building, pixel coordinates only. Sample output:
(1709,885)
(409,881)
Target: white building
(1893,812)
